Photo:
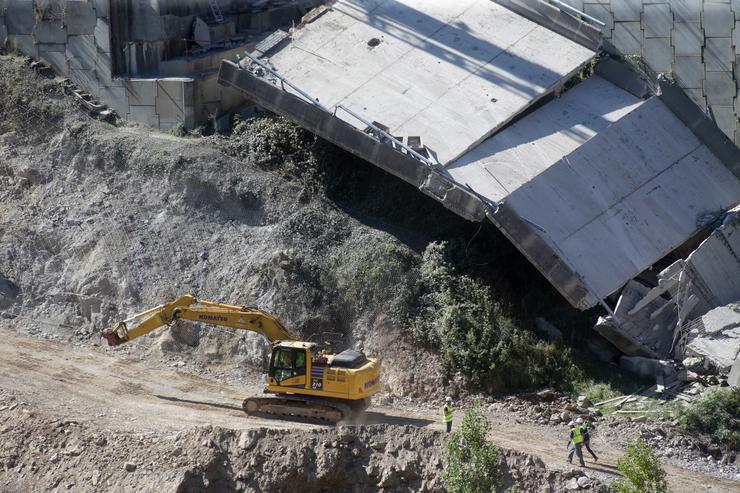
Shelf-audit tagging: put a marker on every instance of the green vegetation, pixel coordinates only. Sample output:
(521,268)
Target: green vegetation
(277,144)
(476,335)
(381,276)
(641,469)
(716,414)
(601,382)
(473,462)
(179,130)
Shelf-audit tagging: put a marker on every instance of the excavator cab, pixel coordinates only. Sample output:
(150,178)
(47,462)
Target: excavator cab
(288,366)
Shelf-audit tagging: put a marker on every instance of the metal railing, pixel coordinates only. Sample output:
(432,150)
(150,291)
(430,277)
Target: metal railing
(577,13)
(285,82)
(314,101)
(385,134)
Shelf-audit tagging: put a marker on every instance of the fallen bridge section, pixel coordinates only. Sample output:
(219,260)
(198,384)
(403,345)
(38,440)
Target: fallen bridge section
(633,191)
(450,72)
(593,187)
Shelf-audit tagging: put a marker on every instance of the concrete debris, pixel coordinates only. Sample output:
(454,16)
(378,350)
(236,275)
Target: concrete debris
(734,379)
(201,33)
(654,322)
(583,401)
(647,367)
(646,323)
(716,337)
(694,364)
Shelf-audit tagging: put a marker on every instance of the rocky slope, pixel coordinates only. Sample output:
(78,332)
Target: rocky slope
(42,454)
(99,222)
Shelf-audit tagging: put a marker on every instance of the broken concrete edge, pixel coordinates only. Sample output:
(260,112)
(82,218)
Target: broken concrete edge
(556,270)
(327,126)
(620,339)
(554,19)
(623,76)
(700,125)
(526,110)
(733,379)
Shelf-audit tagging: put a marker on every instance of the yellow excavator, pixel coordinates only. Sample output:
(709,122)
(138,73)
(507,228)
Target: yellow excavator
(306,380)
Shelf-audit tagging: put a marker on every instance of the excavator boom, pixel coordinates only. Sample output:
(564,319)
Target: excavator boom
(188,307)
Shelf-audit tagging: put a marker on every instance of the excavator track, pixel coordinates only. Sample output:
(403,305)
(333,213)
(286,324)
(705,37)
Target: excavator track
(297,406)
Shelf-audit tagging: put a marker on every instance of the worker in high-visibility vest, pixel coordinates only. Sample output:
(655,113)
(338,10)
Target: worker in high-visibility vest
(575,442)
(447,413)
(586,437)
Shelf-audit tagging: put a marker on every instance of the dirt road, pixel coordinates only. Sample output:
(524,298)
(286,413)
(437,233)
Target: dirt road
(119,392)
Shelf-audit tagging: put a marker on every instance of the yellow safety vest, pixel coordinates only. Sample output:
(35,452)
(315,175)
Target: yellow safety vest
(577,436)
(447,412)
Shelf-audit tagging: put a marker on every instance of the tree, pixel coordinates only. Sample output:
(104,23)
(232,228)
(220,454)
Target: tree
(473,462)
(641,469)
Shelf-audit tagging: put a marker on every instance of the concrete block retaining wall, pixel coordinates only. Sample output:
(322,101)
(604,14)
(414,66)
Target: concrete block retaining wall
(698,41)
(74,37)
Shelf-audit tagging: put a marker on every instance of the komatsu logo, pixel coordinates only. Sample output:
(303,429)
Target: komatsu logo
(213,318)
(371,383)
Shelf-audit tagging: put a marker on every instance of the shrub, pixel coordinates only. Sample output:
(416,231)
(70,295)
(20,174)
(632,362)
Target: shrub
(275,143)
(476,335)
(473,462)
(377,273)
(179,130)
(717,414)
(641,469)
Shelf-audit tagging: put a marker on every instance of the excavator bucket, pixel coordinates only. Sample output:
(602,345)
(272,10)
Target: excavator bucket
(116,335)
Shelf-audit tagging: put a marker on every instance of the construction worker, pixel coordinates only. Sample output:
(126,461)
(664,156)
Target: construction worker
(447,413)
(586,437)
(575,443)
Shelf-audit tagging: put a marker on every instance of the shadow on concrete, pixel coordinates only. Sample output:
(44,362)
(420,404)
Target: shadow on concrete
(453,42)
(577,116)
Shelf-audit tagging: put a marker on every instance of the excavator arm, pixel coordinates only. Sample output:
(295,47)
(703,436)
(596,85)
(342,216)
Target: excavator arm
(188,307)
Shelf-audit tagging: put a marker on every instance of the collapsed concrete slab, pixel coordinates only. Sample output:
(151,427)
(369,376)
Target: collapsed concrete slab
(450,72)
(647,332)
(716,337)
(733,380)
(593,187)
(657,322)
(625,198)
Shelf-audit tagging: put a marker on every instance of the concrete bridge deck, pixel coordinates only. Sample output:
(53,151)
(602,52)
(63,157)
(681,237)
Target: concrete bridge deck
(451,72)
(593,187)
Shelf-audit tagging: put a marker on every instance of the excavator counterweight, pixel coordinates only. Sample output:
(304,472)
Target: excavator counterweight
(307,381)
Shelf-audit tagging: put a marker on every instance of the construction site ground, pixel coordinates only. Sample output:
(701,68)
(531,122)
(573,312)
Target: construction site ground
(122,393)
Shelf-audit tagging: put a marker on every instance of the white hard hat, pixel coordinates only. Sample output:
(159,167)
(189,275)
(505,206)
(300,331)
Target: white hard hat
(579,420)
(448,399)
(571,423)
